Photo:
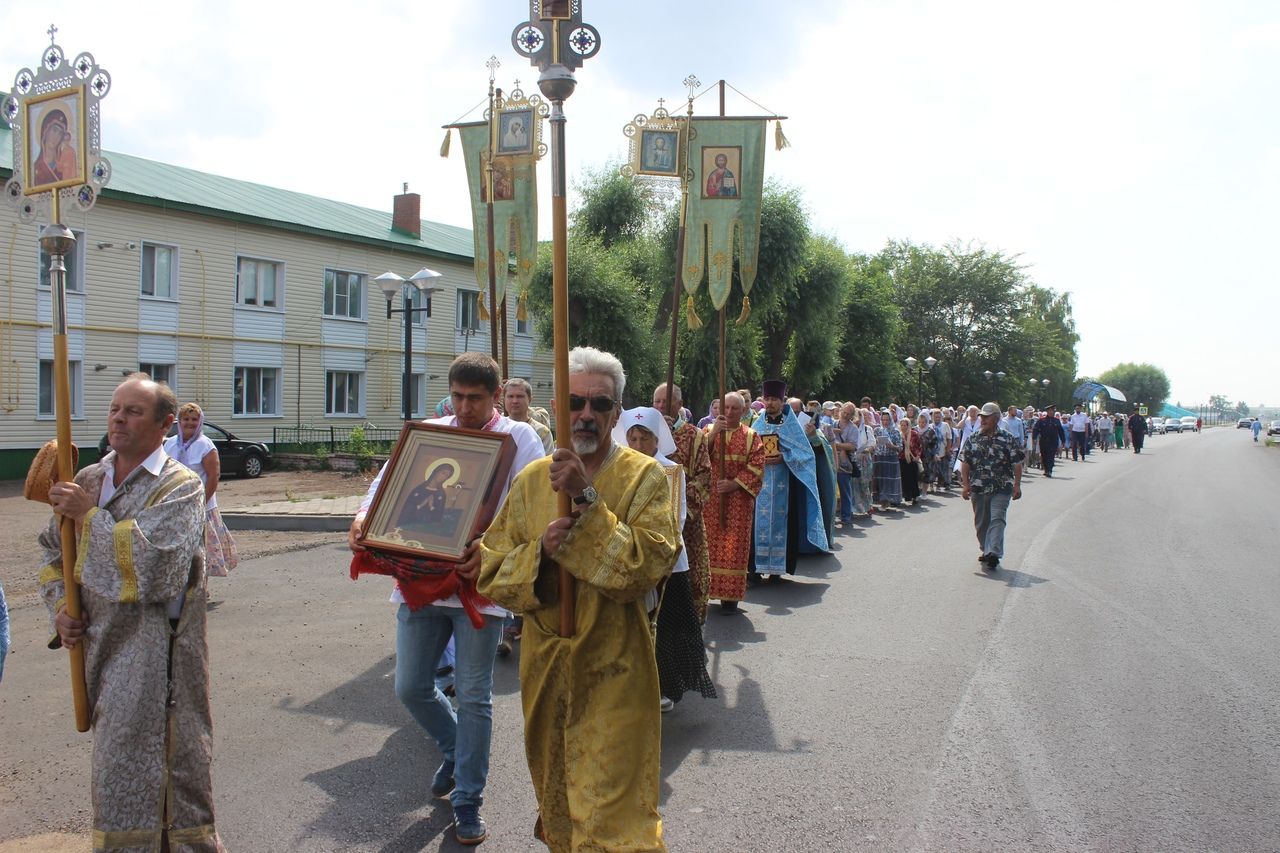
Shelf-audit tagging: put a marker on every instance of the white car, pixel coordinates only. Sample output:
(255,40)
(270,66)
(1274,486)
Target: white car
(1155,425)
(1188,423)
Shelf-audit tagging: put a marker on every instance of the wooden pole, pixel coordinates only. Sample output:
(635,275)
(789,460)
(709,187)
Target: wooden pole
(560,335)
(677,290)
(723,438)
(506,346)
(66,467)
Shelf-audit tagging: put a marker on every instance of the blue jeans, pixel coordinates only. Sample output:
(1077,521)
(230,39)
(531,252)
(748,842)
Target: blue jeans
(845,481)
(989,511)
(463,738)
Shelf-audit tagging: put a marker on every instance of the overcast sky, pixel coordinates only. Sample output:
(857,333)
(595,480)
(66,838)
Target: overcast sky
(1127,152)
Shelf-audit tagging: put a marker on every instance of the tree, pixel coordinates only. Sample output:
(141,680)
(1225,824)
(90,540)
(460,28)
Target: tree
(868,333)
(1142,384)
(614,208)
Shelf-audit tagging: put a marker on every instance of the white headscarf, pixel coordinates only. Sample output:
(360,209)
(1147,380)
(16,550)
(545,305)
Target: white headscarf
(652,420)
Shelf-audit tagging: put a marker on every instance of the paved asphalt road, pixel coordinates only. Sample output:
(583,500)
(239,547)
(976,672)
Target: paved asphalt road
(1116,686)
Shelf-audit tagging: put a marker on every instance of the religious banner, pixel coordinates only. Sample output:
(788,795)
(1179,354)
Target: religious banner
(726,166)
(515,133)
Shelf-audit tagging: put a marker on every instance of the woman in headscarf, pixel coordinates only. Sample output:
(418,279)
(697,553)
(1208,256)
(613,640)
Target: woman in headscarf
(909,460)
(678,643)
(888,470)
(865,457)
(194,449)
(713,412)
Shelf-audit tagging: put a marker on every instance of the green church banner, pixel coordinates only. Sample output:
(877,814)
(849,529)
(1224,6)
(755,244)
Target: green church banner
(726,161)
(515,211)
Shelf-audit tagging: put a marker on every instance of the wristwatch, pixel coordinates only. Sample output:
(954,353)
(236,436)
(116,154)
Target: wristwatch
(587,497)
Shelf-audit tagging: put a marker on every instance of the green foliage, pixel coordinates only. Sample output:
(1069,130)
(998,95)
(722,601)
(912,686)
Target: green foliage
(361,449)
(321,455)
(614,209)
(823,287)
(608,308)
(975,310)
(1142,384)
(868,333)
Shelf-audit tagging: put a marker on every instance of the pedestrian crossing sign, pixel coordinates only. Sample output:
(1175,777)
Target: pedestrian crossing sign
(1142,410)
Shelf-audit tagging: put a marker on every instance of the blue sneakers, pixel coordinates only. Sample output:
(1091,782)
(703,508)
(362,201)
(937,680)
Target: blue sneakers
(442,782)
(468,826)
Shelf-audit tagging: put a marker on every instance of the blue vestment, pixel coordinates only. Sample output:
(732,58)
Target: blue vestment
(772,503)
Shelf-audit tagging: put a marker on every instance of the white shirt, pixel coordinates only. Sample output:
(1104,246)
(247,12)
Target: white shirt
(528,449)
(1079,422)
(194,459)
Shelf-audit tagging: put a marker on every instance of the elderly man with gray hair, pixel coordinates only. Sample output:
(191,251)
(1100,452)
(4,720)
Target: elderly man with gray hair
(591,701)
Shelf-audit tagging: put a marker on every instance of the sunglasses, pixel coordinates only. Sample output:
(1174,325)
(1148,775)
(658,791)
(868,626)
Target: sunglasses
(599,404)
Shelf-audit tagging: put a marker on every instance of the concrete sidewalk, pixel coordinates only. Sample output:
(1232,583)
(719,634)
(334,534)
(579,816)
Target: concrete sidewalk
(318,515)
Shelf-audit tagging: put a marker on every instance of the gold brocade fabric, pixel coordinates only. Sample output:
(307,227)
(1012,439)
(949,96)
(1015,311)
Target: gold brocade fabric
(592,723)
(152,747)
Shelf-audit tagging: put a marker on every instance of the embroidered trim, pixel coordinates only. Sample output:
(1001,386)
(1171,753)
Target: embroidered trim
(50,573)
(122,540)
(82,547)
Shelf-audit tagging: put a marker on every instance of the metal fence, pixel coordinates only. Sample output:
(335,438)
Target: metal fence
(333,437)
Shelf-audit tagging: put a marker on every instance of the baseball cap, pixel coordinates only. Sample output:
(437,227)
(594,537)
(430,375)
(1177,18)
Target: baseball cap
(989,409)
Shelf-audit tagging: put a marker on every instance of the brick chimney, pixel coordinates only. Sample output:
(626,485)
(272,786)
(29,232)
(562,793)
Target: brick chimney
(406,213)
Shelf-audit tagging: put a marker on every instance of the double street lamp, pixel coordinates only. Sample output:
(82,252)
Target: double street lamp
(391,284)
(1039,383)
(921,369)
(995,379)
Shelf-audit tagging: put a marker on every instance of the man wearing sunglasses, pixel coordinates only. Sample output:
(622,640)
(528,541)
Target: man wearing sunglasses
(421,635)
(591,712)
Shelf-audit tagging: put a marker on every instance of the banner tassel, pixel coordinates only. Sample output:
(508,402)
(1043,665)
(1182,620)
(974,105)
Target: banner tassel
(522,308)
(746,310)
(484,312)
(780,140)
(444,146)
(692,314)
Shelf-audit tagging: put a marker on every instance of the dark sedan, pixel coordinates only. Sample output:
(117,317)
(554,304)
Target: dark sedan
(236,455)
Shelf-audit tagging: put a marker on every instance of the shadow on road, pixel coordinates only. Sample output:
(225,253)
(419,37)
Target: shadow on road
(368,794)
(1012,578)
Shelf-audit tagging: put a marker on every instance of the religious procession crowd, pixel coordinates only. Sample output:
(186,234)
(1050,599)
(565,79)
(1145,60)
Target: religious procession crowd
(668,514)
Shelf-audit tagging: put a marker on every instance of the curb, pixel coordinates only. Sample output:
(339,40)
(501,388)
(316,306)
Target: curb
(298,523)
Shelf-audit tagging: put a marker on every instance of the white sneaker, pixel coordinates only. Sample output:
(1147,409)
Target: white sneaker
(666,704)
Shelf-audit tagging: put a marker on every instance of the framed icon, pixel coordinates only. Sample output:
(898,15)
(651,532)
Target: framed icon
(659,153)
(515,132)
(55,143)
(440,490)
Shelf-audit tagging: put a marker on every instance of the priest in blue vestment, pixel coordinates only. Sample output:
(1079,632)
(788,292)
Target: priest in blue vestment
(789,514)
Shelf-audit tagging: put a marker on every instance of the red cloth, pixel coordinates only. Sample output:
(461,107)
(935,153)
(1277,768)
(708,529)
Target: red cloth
(422,582)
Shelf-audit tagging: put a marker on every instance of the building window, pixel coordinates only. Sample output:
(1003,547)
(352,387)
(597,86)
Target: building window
(158,372)
(256,391)
(522,326)
(45,392)
(258,283)
(417,391)
(159,271)
(72,261)
(468,310)
(342,393)
(421,300)
(343,295)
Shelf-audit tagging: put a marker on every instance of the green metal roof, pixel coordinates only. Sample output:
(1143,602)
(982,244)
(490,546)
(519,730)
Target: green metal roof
(141,181)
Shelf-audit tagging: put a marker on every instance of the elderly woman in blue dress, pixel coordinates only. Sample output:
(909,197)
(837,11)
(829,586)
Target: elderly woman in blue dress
(194,449)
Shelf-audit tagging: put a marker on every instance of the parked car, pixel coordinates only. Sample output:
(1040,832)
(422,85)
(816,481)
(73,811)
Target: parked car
(1245,423)
(1173,425)
(1155,426)
(1188,423)
(1274,429)
(236,455)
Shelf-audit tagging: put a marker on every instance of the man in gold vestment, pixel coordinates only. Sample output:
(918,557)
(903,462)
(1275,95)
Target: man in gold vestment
(592,725)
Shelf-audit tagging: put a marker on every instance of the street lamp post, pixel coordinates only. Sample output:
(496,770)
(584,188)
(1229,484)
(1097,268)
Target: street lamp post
(921,369)
(1039,383)
(995,379)
(391,284)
